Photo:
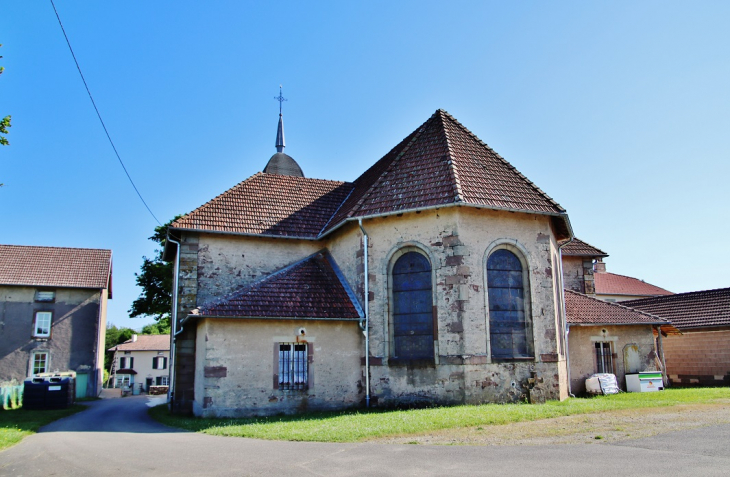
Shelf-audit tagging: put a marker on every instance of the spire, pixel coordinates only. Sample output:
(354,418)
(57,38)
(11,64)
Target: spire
(280,163)
(280,143)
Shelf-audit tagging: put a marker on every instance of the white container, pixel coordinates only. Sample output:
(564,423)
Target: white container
(602,383)
(644,382)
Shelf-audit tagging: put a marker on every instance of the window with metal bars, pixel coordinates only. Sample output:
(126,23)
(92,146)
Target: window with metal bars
(604,360)
(293,370)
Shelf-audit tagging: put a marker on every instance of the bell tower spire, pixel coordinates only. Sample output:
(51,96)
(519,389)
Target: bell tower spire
(281,163)
(280,143)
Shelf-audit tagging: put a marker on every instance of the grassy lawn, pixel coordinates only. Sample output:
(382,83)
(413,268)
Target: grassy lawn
(19,423)
(359,425)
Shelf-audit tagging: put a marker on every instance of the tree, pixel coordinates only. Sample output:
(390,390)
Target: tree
(155,278)
(4,122)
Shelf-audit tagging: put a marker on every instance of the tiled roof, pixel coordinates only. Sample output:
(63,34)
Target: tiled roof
(146,343)
(708,308)
(612,284)
(270,204)
(441,163)
(582,309)
(579,248)
(55,266)
(310,288)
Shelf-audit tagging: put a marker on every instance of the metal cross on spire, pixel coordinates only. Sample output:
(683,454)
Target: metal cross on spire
(280,99)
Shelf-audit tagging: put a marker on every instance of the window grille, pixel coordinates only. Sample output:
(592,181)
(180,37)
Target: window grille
(604,361)
(293,366)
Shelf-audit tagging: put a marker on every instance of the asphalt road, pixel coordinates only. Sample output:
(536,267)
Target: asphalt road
(116,437)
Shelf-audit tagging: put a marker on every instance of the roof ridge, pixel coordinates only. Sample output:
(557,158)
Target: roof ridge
(678,296)
(504,161)
(458,194)
(395,160)
(617,304)
(334,214)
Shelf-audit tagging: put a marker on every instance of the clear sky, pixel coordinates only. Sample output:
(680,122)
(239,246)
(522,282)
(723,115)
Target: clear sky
(620,111)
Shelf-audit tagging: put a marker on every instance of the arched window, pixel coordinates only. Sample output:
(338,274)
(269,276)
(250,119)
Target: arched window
(412,307)
(510,323)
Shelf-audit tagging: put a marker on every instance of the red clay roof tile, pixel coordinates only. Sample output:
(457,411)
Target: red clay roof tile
(55,266)
(579,248)
(700,309)
(582,309)
(441,163)
(612,284)
(310,288)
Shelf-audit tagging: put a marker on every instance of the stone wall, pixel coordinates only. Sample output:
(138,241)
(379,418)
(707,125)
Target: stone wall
(582,339)
(698,358)
(237,367)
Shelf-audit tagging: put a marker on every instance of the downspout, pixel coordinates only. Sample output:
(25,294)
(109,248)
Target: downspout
(565,314)
(173,318)
(366,326)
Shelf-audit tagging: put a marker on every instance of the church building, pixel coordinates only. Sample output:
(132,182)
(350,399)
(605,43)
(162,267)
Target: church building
(434,278)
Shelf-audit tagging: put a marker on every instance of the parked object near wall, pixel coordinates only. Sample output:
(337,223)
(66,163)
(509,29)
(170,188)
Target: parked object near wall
(602,383)
(644,382)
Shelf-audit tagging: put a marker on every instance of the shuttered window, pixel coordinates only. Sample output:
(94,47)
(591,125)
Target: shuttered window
(509,321)
(412,307)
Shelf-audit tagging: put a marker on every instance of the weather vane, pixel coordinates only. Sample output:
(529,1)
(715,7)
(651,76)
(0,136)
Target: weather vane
(280,99)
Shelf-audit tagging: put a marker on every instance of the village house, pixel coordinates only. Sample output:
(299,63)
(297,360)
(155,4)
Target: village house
(53,304)
(142,362)
(433,278)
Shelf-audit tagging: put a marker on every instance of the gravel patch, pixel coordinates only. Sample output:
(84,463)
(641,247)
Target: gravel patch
(605,427)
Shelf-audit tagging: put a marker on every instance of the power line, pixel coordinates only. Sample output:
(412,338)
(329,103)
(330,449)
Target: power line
(99,115)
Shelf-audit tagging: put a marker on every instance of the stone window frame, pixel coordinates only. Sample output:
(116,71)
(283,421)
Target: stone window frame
(393,255)
(309,361)
(607,338)
(35,333)
(524,257)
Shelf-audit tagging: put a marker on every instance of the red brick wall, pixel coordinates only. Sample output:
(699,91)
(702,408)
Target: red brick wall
(698,358)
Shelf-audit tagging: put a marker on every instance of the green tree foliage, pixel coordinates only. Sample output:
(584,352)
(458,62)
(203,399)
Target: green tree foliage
(4,122)
(158,328)
(115,336)
(155,278)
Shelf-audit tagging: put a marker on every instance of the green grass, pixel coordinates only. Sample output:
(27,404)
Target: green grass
(19,423)
(352,426)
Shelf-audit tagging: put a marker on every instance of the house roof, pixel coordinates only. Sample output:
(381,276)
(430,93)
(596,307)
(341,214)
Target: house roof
(311,288)
(440,164)
(584,310)
(611,284)
(145,343)
(55,267)
(700,309)
(579,248)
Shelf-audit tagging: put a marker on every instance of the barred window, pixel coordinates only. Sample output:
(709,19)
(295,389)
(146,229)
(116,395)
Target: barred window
(293,370)
(604,360)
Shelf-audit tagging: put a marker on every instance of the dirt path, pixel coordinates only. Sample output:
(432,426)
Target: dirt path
(612,426)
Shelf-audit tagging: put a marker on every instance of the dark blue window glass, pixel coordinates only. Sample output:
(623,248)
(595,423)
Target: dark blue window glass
(509,325)
(412,307)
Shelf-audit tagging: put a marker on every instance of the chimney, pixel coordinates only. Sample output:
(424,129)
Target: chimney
(134,338)
(599,266)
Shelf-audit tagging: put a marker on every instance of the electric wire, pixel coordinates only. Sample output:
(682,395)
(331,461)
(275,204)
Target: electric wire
(99,115)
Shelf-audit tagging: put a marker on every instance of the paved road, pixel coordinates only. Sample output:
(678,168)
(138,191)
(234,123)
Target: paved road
(116,437)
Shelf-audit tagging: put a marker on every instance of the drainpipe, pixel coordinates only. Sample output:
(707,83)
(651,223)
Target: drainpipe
(173,318)
(366,326)
(564,317)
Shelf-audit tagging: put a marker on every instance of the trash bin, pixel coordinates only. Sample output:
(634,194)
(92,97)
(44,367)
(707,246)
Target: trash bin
(34,393)
(48,392)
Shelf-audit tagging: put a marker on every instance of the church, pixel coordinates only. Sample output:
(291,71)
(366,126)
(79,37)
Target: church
(433,279)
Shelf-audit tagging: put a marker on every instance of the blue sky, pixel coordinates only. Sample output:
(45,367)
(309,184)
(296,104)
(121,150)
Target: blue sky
(620,111)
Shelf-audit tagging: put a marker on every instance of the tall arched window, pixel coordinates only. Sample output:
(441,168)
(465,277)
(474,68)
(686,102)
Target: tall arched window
(510,323)
(412,307)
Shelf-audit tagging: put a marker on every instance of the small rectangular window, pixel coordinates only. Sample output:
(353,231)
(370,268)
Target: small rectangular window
(42,325)
(604,360)
(39,363)
(45,295)
(293,372)
(162,381)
